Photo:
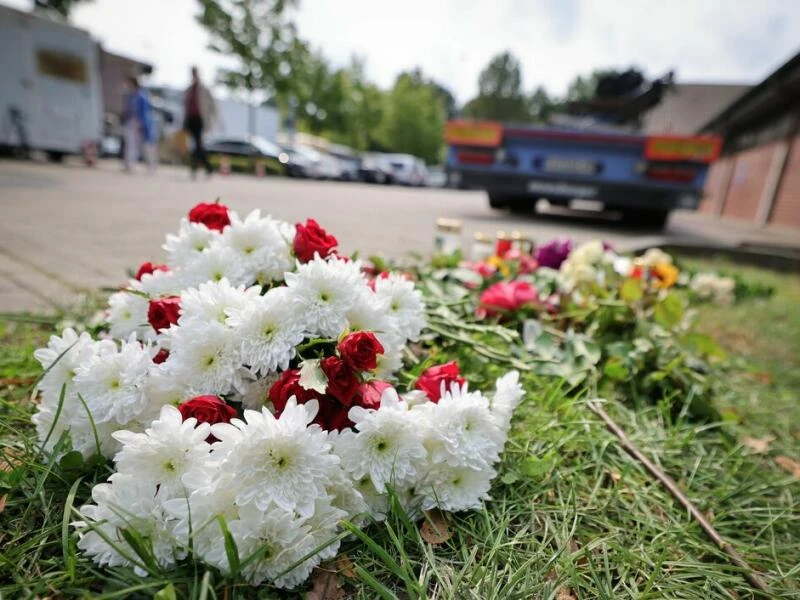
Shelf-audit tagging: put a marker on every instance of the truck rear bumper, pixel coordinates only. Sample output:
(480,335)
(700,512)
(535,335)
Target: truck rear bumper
(612,195)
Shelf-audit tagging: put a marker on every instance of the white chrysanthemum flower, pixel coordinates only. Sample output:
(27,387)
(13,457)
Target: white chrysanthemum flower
(203,357)
(268,330)
(162,388)
(260,246)
(113,383)
(455,488)
(214,264)
(323,291)
(158,283)
(126,503)
(127,314)
(655,256)
(190,242)
(281,539)
(165,452)
(462,431)
(251,390)
(387,446)
(507,396)
(61,358)
(406,306)
(281,461)
(389,362)
(371,313)
(197,524)
(211,301)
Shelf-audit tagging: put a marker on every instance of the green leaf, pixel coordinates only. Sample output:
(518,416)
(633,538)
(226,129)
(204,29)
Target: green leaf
(510,477)
(614,369)
(704,345)
(72,461)
(669,312)
(312,376)
(167,593)
(536,467)
(466,276)
(631,290)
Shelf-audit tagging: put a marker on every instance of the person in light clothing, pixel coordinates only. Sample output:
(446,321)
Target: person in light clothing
(140,130)
(200,112)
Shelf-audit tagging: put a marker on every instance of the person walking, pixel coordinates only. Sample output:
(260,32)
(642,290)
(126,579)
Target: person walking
(140,130)
(200,111)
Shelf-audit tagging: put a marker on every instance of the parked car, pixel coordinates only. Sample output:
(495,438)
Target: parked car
(407,169)
(244,152)
(437,177)
(318,165)
(374,169)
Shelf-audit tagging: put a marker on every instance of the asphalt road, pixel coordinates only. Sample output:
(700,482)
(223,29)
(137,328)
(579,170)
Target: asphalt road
(67,228)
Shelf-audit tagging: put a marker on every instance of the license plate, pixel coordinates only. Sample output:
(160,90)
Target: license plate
(557,188)
(572,166)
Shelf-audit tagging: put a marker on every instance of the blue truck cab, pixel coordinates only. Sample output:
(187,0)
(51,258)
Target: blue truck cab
(643,176)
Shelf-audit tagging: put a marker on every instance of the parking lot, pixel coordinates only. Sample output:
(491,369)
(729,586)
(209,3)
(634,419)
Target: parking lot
(66,229)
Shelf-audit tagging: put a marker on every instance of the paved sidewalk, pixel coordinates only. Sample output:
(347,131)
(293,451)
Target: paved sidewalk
(67,230)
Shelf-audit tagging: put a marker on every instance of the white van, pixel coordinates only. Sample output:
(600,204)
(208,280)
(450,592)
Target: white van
(50,92)
(406,169)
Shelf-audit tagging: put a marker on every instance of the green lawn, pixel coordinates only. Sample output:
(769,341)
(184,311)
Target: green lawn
(572,515)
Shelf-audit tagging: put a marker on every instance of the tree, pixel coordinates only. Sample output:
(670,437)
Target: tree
(414,119)
(60,8)
(261,37)
(500,96)
(541,105)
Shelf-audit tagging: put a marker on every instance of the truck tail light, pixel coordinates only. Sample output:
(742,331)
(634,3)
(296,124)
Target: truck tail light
(475,157)
(670,173)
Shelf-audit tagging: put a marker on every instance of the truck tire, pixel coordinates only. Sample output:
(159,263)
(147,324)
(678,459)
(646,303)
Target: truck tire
(655,219)
(498,201)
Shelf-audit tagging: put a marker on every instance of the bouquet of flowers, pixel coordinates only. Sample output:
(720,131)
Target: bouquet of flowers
(245,392)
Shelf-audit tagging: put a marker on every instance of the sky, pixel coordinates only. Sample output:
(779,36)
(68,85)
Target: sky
(712,41)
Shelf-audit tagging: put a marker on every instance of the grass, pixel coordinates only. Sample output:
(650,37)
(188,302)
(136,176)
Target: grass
(571,516)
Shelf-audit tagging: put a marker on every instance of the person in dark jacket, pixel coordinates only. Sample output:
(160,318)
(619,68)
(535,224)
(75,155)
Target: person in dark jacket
(200,111)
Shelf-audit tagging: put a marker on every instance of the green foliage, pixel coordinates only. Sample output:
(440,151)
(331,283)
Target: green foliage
(500,96)
(261,37)
(413,119)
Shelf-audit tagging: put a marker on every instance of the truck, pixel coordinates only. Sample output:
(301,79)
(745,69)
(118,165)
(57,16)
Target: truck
(50,88)
(593,157)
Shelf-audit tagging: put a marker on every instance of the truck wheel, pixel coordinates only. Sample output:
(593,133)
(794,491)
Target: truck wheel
(498,201)
(656,219)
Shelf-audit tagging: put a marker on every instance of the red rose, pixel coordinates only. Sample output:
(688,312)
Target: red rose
(360,351)
(431,379)
(161,356)
(342,381)
(311,238)
(164,312)
(286,387)
(207,409)
(148,268)
(507,296)
(369,393)
(332,415)
(213,216)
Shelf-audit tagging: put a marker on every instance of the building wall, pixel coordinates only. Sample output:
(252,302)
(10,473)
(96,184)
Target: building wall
(748,174)
(786,209)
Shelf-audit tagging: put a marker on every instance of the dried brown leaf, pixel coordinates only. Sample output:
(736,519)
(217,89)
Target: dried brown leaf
(435,529)
(565,593)
(345,566)
(615,476)
(758,445)
(3,502)
(324,585)
(789,464)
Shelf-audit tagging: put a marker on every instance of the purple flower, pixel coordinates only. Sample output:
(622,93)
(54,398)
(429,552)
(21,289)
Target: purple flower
(552,254)
(608,246)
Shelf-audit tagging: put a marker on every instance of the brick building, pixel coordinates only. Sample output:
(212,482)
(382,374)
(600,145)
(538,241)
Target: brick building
(757,178)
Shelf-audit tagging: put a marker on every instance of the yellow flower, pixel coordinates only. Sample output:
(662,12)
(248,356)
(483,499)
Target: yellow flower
(501,265)
(664,275)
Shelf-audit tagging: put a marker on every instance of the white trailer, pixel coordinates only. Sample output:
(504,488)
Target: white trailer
(50,90)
